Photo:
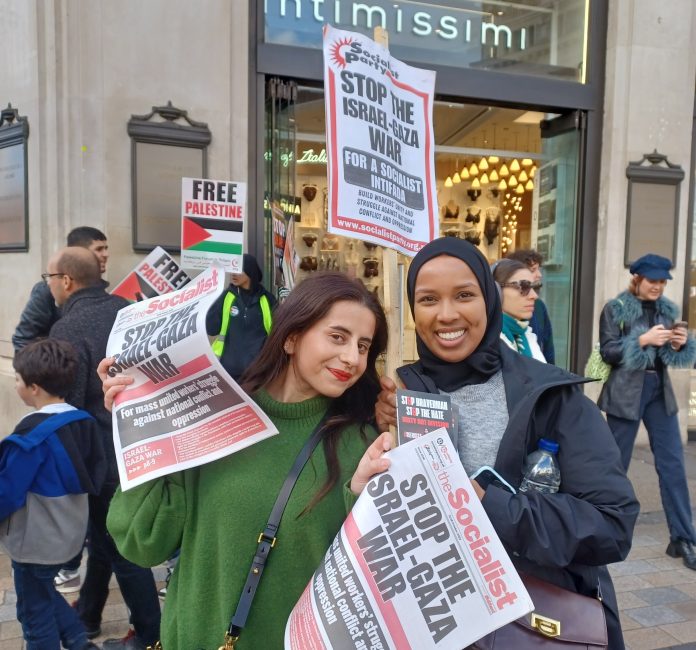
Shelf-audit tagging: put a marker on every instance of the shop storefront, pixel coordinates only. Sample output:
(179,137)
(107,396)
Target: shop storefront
(517,119)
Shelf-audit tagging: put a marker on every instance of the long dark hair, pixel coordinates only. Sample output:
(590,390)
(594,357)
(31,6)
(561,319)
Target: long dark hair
(307,304)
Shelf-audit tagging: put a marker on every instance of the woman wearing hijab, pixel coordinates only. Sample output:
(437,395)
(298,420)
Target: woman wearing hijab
(564,538)
(240,319)
(519,293)
(640,337)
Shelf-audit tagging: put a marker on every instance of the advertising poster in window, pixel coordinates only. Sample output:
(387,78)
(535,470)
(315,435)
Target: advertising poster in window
(213,217)
(380,143)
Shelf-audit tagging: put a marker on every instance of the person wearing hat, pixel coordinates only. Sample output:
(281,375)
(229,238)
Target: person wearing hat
(640,338)
(241,318)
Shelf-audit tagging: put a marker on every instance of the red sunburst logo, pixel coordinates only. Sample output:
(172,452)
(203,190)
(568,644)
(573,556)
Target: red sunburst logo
(336,54)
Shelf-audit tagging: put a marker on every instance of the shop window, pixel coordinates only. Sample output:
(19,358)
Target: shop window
(503,183)
(166,145)
(14,210)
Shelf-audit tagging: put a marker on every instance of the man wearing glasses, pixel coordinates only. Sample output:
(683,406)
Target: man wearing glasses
(74,279)
(41,311)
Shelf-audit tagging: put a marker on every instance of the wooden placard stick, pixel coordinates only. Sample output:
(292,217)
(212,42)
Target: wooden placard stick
(392,274)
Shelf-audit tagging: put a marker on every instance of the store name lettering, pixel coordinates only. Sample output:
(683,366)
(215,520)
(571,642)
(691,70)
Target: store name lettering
(393,18)
(308,157)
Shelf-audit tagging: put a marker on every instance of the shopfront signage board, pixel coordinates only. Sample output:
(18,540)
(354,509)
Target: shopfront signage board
(213,218)
(380,144)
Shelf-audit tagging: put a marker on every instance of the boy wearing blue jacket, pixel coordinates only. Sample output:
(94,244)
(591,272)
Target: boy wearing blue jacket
(48,466)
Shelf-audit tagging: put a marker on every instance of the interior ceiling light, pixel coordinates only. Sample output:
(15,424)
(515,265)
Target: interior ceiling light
(476,184)
(448,182)
(519,189)
(532,171)
(473,170)
(456,178)
(493,159)
(494,175)
(464,175)
(502,185)
(527,162)
(522,177)
(484,179)
(483,164)
(504,171)
(512,181)
(514,165)
(529,185)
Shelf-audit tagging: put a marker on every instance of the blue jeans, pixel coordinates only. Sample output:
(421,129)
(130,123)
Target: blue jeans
(666,446)
(46,618)
(137,584)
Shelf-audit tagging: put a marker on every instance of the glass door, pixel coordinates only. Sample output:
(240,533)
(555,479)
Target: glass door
(554,222)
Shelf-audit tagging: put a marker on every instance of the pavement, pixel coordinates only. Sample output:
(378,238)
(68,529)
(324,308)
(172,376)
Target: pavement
(656,593)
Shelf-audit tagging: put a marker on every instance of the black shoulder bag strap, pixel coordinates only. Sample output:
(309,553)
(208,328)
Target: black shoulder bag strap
(267,540)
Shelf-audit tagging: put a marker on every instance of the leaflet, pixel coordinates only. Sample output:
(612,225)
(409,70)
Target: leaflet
(417,564)
(183,410)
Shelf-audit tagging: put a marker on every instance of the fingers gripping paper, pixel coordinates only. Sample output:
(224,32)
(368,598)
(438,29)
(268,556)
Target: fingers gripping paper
(417,564)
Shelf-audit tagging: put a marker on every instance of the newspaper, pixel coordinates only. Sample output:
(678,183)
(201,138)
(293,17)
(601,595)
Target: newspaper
(183,410)
(417,564)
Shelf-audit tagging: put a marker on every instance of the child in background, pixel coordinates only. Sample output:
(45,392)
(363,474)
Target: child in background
(48,466)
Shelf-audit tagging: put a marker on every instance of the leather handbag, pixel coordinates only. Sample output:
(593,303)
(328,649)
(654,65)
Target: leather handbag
(561,620)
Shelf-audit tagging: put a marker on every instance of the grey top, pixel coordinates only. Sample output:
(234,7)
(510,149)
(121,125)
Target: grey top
(482,418)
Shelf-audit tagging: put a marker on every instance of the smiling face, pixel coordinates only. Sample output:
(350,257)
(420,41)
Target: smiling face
(329,357)
(514,303)
(448,308)
(650,289)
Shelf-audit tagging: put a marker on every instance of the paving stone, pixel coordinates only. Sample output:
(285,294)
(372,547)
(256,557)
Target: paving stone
(669,578)
(655,615)
(629,583)
(648,639)
(632,568)
(684,632)
(629,600)
(7,613)
(661,595)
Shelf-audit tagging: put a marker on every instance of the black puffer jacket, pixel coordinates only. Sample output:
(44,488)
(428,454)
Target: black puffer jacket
(37,317)
(568,537)
(620,325)
(88,316)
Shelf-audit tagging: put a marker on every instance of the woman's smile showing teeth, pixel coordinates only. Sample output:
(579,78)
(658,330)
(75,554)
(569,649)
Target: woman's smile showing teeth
(451,335)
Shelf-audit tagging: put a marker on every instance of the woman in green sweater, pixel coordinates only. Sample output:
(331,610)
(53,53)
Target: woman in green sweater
(320,357)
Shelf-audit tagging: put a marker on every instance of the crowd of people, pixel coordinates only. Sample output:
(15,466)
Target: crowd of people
(484,338)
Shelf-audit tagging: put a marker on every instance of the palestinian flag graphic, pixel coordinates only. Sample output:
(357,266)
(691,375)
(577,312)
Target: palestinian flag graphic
(134,288)
(222,236)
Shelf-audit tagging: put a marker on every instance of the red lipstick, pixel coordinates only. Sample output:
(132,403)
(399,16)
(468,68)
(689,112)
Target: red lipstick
(341,375)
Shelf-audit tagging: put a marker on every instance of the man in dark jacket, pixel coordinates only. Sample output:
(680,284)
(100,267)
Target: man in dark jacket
(240,319)
(41,311)
(74,279)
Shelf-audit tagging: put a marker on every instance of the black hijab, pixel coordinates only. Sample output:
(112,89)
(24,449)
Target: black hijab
(484,361)
(251,267)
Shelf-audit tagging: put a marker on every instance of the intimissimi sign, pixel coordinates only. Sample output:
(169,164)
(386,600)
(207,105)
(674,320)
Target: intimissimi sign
(409,24)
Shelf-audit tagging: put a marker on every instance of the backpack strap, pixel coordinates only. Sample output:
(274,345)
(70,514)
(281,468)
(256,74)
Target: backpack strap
(44,429)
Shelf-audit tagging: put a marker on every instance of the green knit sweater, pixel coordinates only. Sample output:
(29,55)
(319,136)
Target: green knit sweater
(215,513)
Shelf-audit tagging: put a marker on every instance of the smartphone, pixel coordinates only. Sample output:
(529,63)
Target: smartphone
(680,323)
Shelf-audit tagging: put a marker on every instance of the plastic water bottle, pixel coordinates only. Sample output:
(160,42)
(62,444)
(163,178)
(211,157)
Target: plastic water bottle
(541,471)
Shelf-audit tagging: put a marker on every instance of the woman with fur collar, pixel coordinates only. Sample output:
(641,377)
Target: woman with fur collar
(640,338)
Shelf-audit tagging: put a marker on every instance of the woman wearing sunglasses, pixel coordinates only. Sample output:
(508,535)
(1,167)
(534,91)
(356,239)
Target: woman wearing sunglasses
(506,402)
(519,292)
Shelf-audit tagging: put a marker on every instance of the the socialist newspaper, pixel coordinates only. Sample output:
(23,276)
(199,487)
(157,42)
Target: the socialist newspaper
(417,564)
(183,409)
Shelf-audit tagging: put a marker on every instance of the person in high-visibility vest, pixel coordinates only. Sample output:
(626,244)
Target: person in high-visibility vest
(241,318)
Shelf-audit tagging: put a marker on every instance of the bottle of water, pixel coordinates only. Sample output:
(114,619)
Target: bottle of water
(541,471)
